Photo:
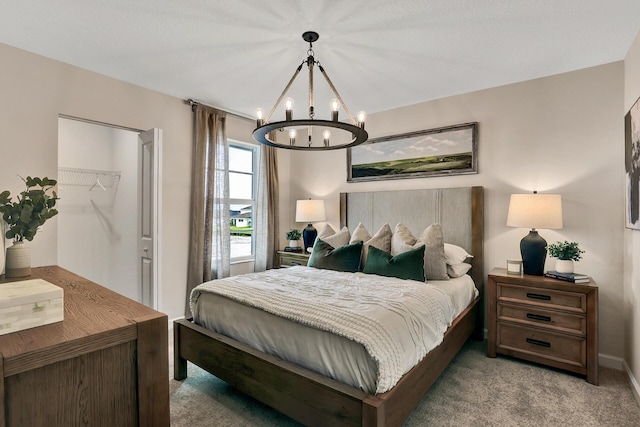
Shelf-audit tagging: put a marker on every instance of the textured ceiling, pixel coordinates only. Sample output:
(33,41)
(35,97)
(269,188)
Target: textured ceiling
(380,54)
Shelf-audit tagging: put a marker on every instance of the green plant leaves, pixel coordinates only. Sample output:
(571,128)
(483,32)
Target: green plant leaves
(33,208)
(565,250)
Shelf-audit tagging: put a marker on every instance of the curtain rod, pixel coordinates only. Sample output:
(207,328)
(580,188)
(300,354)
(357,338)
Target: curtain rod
(194,103)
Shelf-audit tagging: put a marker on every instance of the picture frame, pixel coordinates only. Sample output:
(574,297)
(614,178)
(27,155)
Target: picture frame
(632,166)
(444,151)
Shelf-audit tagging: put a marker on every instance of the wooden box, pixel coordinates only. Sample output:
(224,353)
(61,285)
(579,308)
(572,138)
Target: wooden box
(29,303)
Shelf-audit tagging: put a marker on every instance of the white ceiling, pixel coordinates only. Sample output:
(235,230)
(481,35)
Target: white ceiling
(380,54)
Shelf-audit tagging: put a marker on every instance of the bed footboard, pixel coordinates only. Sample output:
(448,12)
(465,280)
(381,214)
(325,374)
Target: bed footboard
(297,392)
(306,396)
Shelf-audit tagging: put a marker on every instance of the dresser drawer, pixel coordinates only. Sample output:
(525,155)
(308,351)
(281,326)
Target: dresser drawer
(541,297)
(548,345)
(554,320)
(287,260)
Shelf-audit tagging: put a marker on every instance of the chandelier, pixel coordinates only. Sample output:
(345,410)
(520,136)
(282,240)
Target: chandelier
(300,132)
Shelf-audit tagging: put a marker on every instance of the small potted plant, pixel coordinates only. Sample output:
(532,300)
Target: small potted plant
(293,236)
(566,253)
(24,217)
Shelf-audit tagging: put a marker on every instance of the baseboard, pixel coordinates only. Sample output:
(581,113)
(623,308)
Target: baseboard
(173,320)
(611,362)
(635,387)
(621,365)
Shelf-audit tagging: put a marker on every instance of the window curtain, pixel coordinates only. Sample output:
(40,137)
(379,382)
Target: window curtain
(209,245)
(266,229)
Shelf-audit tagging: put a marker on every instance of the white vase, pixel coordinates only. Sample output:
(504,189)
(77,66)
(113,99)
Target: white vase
(18,261)
(564,265)
(293,243)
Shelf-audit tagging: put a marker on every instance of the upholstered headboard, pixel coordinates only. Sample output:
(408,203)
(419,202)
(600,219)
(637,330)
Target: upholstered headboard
(460,211)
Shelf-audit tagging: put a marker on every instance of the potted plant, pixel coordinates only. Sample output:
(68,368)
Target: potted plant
(566,253)
(293,236)
(24,217)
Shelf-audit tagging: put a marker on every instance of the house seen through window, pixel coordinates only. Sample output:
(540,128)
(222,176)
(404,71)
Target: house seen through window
(243,161)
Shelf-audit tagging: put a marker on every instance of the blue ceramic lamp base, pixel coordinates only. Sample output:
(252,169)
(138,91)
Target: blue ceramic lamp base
(309,235)
(533,249)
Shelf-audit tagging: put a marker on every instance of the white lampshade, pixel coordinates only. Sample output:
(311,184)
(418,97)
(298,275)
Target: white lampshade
(535,211)
(310,210)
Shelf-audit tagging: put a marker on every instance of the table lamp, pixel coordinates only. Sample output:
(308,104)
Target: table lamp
(534,211)
(309,211)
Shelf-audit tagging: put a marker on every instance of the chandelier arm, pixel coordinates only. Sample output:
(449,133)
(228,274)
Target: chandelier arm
(284,92)
(338,97)
(310,64)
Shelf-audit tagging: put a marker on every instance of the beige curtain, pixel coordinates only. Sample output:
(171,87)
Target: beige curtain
(267,230)
(209,221)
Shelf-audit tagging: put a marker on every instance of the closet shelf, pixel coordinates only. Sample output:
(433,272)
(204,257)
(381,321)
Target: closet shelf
(93,179)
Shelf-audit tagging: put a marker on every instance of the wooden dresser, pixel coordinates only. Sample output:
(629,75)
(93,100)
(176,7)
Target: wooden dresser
(106,363)
(544,320)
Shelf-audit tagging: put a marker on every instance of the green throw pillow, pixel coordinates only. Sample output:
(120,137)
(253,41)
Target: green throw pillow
(343,258)
(407,265)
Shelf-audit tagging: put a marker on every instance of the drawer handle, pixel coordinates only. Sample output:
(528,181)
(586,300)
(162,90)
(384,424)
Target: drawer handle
(538,342)
(538,317)
(538,296)
(295,263)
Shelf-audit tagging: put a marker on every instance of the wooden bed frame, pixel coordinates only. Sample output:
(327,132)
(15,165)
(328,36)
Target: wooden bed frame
(313,399)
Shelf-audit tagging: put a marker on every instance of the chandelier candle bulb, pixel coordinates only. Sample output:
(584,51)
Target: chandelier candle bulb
(288,105)
(362,116)
(259,117)
(292,136)
(335,106)
(326,135)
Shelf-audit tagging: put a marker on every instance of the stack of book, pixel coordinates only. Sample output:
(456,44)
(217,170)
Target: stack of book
(292,249)
(568,277)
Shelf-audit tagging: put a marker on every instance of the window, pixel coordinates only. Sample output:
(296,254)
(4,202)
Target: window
(243,167)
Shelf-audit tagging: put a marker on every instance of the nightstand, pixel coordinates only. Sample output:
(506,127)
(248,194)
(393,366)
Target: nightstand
(544,320)
(290,259)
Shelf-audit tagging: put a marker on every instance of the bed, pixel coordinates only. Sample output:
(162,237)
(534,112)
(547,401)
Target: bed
(314,399)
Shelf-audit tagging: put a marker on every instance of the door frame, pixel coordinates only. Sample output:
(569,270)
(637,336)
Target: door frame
(156,194)
(157,206)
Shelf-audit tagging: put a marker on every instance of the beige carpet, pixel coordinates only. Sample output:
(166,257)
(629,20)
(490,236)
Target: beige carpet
(473,391)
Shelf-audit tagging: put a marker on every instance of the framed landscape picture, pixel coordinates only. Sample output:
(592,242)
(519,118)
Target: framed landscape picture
(632,166)
(450,150)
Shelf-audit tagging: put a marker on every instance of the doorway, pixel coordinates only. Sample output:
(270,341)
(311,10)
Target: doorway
(103,198)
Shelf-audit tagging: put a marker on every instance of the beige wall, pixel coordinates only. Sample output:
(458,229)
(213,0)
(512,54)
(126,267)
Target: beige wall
(632,239)
(35,90)
(558,134)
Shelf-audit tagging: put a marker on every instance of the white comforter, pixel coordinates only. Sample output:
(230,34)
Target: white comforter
(397,321)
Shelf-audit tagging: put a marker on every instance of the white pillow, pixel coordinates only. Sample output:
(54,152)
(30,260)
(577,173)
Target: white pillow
(402,240)
(435,264)
(327,230)
(458,270)
(455,254)
(381,240)
(338,239)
